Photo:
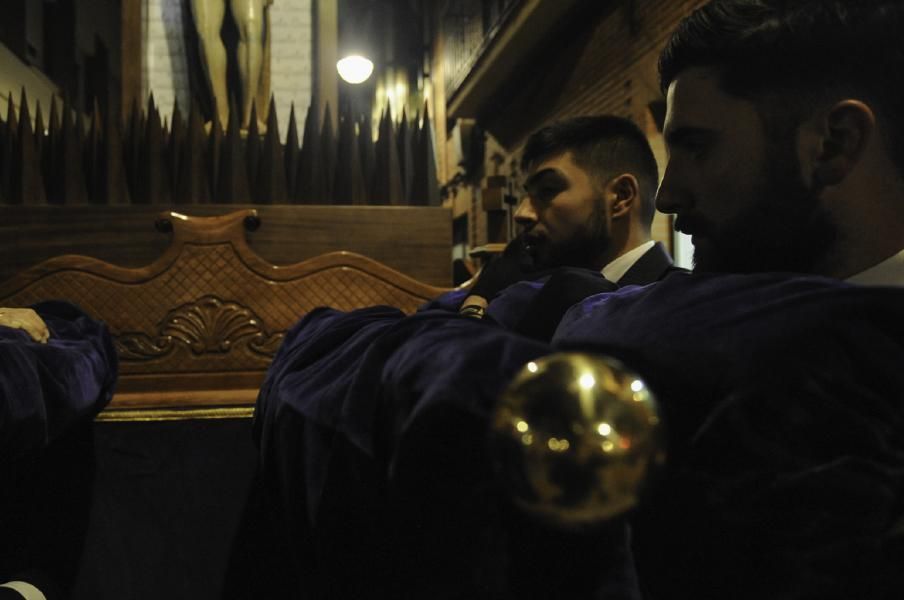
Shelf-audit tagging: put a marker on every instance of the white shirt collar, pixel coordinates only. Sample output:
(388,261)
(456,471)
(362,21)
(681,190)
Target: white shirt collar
(616,269)
(888,272)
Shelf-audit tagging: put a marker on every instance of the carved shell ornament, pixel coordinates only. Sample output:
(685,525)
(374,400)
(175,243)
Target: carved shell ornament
(209,325)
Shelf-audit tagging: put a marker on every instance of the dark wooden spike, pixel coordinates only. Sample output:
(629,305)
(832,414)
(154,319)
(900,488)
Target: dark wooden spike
(290,157)
(93,150)
(272,117)
(271,183)
(50,159)
(12,123)
(175,147)
(5,154)
(114,189)
(215,119)
(72,189)
(192,185)
(366,150)
(214,150)
(232,187)
(253,151)
(40,134)
(7,145)
(308,161)
(53,121)
(327,159)
(349,186)
(406,157)
(152,106)
(24,112)
(134,140)
(27,184)
(153,176)
(425,185)
(387,186)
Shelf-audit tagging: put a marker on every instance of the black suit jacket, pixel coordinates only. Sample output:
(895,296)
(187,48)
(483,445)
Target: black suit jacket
(654,265)
(568,286)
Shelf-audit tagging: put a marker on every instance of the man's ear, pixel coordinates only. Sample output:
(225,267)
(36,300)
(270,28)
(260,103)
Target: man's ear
(847,129)
(623,192)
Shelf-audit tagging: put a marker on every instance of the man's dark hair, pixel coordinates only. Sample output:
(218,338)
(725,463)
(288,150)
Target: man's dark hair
(790,56)
(605,146)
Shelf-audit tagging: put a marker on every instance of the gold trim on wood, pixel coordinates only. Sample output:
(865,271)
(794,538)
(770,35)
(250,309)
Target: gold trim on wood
(188,414)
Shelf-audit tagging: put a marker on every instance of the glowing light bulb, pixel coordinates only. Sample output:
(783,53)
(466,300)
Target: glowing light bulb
(355,68)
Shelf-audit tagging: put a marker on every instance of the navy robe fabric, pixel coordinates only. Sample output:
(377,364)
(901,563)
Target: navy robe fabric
(48,395)
(46,388)
(782,396)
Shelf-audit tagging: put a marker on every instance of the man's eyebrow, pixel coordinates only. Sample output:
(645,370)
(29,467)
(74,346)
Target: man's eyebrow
(538,177)
(681,135)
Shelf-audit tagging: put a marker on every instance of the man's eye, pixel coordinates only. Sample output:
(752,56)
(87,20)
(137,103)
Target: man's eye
(696,148)
(546,194)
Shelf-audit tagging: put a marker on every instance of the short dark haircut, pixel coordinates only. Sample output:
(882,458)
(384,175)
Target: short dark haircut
(605,146)
(790,56)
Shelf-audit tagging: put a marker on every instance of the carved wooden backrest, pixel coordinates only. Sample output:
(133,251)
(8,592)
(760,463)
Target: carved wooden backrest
(199,326)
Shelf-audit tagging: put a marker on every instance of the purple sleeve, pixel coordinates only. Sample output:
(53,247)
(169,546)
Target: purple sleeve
(47,388)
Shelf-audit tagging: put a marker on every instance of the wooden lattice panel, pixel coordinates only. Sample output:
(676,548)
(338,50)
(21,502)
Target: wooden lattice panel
(201,324)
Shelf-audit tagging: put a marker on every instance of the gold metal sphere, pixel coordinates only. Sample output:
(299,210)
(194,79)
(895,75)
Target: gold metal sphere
(576,437)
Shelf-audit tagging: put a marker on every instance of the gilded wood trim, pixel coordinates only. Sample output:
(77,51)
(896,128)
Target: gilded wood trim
(123,415)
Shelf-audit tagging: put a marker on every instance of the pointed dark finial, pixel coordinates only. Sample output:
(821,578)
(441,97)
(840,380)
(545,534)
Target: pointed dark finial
(153,180)
(27,184)
(212,159)
(348,186)
(133,140)
(253,151)
(232,186)
(39,130)
(306,191)
(366,150)
(425,187)
(327,119)
(327,159)
(387,185)
(72,190)
(175,146)
(271,182)
(53,121)
(177,115)
(114,189)
(192,183)
(24,113)
(252,121)
(92,156)
(215,119)
(290,156)
(12,123)
(272,117)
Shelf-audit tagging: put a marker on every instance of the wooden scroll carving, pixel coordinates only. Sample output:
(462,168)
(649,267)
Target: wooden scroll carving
(200,325)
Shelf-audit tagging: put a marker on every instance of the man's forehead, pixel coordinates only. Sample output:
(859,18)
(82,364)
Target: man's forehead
(558,163)
(695,100)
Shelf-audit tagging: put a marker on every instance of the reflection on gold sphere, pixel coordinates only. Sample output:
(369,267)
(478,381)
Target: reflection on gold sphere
(575,438)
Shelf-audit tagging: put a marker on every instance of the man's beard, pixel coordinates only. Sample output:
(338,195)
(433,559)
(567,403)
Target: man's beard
(784,228)
(584,249)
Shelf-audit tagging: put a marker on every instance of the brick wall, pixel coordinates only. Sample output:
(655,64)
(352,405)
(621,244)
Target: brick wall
(616,72)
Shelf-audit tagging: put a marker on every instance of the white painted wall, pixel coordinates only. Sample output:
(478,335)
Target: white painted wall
(14,75)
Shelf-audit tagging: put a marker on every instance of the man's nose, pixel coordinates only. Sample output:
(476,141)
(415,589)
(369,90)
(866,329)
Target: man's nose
(525,215)
(667,196)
